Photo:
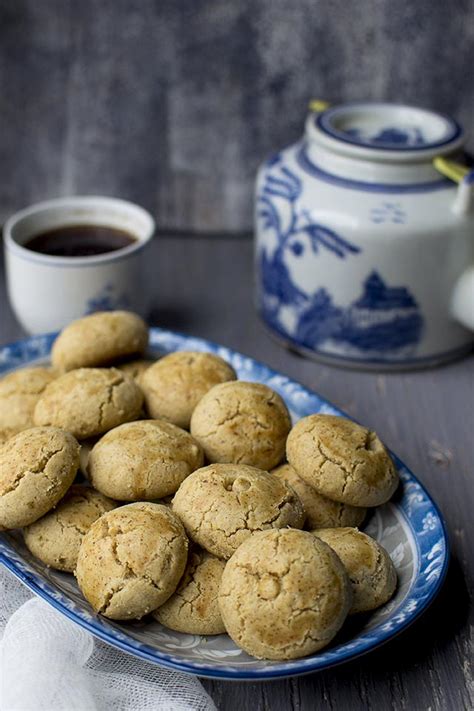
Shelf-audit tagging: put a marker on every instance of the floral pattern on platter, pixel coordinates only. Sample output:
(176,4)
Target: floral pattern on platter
(410,527)
(382,320)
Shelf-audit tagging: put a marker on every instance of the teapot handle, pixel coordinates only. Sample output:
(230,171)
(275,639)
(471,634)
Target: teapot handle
(317,106)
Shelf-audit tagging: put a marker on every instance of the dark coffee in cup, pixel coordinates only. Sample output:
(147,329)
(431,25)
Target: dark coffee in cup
(80,241)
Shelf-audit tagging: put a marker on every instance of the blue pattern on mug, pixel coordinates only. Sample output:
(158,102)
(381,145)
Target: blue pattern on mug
(107,300)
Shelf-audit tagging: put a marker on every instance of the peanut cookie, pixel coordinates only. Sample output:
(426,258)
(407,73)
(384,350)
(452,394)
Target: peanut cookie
(281,597)
(99,339)
(37,467)
(56,537)
(369,566)
(320,511)
(7,433)
(89,401)
(19,393)
(131,560)
(143,460)
(175,384)
(222,504)
(244,423)
(135,368)
(194,609)
(342,460)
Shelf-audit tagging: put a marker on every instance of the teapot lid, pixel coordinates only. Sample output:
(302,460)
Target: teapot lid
(385,131)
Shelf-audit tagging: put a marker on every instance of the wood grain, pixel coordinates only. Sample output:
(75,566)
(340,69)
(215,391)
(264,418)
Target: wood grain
(203,286)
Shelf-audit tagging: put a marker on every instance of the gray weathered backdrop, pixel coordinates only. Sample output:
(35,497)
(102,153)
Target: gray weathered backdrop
(173,103)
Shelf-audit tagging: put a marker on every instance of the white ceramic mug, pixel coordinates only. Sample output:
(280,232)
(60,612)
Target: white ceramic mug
(46,292)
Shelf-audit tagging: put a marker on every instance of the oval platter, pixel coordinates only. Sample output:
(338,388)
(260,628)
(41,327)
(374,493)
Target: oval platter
(410,527)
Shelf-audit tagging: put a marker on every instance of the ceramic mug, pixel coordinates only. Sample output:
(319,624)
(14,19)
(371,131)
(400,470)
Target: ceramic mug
(47,292)
(364,251)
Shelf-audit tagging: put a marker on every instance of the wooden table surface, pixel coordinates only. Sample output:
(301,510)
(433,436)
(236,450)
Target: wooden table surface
(203,286)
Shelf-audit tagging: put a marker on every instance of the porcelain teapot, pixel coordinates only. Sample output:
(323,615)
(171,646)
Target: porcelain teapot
(364,249)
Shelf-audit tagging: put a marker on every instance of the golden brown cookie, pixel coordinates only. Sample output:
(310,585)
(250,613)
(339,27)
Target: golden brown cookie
(99,339)
(143,460)
(7,433)
(89,401)
(175,384)
(320,512)
(135,368)
(37,467)
(342,460)
(222,504)
(56,537)
(369,566)
(281,596)
(244,423)
(19,393)
(194,608)
(131,560)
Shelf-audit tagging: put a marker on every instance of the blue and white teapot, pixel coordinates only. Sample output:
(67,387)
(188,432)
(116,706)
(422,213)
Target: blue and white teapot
(363,249)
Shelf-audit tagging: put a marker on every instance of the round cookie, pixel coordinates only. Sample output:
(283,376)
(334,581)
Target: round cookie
(342,460)
(143,460)
(89,401)
(222,504)
(135,368)
(175,384)
(369,566)
(320,511)
(281,597)
(37,467)
(7,433)
(131,560)
(56,537)
(99,339)
(244,423)
(194,608)
(19,393)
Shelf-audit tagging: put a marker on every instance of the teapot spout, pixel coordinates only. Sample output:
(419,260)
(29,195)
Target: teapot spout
(462,303)
(464,201)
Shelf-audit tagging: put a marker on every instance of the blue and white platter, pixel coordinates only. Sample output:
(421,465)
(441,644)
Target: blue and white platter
(410,527)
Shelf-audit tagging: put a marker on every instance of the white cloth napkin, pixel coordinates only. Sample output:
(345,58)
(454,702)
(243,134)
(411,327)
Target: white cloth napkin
(47,663)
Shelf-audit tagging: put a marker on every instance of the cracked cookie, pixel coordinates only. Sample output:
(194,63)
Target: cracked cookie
(143,460)
(281,596)
(99,339)
(37,467)
(131,560)
(371,571)
(193,608)
(175,384)
(320,512)
(19,393)
(342,460)
(244,423)
(222,504)
(56,537)
(89,401)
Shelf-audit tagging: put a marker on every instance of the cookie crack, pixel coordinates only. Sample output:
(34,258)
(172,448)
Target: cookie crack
(109,400)
(39,468)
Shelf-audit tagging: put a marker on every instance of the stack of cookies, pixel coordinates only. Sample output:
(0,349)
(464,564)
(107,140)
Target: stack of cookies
(204,508)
